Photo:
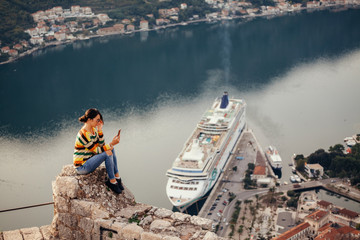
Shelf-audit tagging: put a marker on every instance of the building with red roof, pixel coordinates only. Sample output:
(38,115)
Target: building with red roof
(298,232)
(348,213)
(317,219)
(325,205)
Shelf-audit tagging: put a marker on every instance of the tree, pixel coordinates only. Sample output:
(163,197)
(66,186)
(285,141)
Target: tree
(251,166)
(337,148)
(300,165)
(321,157)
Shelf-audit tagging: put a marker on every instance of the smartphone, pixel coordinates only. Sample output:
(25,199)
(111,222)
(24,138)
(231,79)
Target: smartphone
(119,132)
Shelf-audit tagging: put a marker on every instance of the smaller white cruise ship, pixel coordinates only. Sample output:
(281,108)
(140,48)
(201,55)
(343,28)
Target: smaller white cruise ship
(274,158)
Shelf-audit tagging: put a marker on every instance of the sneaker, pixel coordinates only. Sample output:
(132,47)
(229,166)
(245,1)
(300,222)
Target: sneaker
(120,184)
(115,187)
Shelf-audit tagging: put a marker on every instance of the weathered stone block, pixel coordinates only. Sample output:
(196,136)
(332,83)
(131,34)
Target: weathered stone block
(61,204)
(81,207)
(150,236)
(177,216)
(118,226)
(97,212)
(65,232)
(131,232)
(146,221)
(128,212)
(12,235)
(79,235)
(210,236)
(86,225)
(163,213)
(68,219)
(159,225)
(95,237)
(202,222)
(46,232)
(31,233)
(66,187)
(171,238)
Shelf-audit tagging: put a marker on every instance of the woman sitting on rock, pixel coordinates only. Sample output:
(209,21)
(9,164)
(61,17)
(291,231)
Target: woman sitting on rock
(91,150)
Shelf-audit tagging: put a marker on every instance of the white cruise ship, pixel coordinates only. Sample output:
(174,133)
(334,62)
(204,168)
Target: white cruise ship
(204,155)
(274,158)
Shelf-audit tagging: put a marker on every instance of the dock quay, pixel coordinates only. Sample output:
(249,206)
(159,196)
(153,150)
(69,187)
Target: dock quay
(247,150)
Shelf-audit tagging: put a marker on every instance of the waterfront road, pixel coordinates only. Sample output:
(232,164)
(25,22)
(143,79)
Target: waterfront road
(242,195)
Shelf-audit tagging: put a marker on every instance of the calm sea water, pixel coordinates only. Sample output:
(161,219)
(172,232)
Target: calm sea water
(299,75)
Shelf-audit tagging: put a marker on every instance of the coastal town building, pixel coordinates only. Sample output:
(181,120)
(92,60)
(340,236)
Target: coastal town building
(183,6)
(36,40)
(60,35)
(13,52)
(312,4)
(18,47)
(144,25)
(162,21)
(75,9)
(126,21)
(111,30)
(5,49)
(104,18)
(130,27)
(314,170)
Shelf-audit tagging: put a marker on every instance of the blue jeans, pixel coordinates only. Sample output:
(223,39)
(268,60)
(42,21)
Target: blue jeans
(92,163)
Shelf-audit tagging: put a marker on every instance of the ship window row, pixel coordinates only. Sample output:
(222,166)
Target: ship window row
(177,181)
(183,188)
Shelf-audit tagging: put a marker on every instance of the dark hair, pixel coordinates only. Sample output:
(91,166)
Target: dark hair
(90,114)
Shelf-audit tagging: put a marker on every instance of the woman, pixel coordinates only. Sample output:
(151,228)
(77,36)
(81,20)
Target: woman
(91,150)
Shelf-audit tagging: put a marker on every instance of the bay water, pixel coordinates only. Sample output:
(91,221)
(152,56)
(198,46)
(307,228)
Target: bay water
(298,73)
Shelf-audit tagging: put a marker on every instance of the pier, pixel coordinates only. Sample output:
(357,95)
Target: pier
(247,150)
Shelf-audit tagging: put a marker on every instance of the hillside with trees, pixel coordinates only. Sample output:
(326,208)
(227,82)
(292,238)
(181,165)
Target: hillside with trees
(15,15)
(335,162)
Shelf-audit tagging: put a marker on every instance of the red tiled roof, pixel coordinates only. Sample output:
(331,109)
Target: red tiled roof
(326,226)
(328,234)
(345,230)
(295,230)
(259,170)
(324,203)
(316,216)
(348,213)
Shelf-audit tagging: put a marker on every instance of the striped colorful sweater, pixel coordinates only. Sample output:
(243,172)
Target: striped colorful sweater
(88,145)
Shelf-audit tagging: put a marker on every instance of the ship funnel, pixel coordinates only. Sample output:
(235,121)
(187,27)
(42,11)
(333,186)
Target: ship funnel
(224,101)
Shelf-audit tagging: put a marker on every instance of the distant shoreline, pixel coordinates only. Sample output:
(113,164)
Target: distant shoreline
(57,43)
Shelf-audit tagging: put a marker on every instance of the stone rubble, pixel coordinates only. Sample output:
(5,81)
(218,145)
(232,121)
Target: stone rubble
(84,208)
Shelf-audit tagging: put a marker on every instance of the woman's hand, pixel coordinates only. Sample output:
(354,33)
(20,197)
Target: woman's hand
(115,140)
(100,126)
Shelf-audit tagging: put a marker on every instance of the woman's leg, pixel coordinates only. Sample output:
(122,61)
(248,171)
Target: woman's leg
(92,163)
(116,171)
(109,163)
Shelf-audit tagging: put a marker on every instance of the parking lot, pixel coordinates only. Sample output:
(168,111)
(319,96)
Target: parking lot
(230,182)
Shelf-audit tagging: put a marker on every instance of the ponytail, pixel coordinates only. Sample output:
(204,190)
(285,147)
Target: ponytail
(90,114)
